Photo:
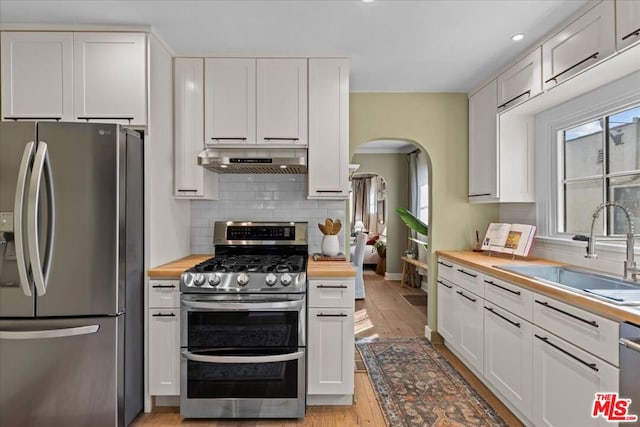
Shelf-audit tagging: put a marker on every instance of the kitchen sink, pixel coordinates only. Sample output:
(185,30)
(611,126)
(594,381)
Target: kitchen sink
(607,288)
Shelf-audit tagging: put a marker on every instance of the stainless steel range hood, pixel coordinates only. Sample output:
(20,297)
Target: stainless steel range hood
(256,160)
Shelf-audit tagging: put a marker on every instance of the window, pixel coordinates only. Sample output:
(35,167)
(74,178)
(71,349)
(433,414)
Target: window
(600,161)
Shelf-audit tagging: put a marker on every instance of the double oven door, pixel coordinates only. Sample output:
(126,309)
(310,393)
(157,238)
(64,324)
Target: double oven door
(243,356)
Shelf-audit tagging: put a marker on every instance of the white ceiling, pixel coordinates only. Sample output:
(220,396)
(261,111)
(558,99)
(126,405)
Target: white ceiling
(394,45)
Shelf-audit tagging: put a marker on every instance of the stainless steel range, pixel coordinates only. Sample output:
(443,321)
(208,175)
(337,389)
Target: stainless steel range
(243,316)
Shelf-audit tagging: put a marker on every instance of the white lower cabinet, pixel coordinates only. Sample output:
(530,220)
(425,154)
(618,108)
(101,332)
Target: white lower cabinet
(565,381)
(330,340)
(164,338)
(471,328)
(545,359)
(508,356)
(448,313)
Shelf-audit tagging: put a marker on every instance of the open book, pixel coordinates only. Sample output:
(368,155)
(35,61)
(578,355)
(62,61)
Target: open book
(516,239)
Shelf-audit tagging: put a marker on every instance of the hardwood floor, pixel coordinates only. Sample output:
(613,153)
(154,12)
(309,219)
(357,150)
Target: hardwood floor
(383,313)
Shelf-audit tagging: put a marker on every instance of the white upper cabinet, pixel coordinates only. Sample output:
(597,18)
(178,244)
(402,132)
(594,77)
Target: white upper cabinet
(483,144)
(230,100)
(627,22)
(585,41)
(110,77)
(191,180)
(282,101)
(37,71)
(522,81)
(328,128)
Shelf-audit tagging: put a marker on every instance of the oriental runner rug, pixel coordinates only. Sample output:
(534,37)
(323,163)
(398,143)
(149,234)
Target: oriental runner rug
(416,386)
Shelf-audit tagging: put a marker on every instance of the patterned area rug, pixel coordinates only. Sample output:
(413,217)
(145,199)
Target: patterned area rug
(416,386)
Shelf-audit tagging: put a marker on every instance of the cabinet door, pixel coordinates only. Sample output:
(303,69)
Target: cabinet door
(37,69)
(164,352)
(627,22)
(483,142)
(471,328)
(508,357)
(282,101)
(565,381)
(329,128)
(330,350)
(522,81)
(110,77)
(581,44)
(230,100)
(448,314)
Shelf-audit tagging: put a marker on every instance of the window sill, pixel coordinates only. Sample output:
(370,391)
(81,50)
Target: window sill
(612,246)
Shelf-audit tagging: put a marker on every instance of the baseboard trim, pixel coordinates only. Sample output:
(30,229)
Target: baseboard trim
(330,399)
(392,276)
(427,332)
(167,401)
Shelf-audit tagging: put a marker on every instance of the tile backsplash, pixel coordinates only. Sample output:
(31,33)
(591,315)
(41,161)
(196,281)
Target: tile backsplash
(268,197)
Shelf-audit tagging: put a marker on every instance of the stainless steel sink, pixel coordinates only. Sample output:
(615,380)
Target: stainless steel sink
(607,288)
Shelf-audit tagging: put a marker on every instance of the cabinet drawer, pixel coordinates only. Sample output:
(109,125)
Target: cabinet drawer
(517,300)
(164,293)
(446,269)
(468,279)
(331,293)
(586,330)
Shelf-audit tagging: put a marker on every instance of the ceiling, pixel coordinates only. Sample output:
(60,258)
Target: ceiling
(394,45)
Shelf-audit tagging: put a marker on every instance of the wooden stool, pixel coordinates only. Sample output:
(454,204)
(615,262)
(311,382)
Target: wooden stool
(409,266)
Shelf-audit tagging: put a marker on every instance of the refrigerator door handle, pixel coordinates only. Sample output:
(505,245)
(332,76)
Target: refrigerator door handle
(49,333)
(39,167)
(18,216)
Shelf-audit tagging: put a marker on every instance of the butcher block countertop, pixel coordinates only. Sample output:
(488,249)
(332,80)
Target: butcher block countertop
(173,269)
(319,269)
(315,269)
(485,264)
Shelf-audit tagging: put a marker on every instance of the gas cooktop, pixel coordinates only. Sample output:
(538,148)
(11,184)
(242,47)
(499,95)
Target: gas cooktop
(253,257)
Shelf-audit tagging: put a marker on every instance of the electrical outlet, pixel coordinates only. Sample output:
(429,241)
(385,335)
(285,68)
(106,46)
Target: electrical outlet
(6,222)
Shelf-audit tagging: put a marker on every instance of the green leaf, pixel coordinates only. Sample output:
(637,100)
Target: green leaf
(413,222)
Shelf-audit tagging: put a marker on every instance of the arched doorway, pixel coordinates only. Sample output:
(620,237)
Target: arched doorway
(405,167)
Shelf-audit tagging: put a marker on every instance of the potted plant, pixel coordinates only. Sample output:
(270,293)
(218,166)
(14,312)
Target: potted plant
(380,246)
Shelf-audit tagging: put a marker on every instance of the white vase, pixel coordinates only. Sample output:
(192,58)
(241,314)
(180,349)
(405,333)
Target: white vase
(330,245)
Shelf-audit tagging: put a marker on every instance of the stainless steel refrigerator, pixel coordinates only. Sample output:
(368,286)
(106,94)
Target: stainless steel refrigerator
(71,274)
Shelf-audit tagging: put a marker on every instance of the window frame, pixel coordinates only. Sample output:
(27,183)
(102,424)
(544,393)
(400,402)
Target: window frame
(617,96)
(607,188)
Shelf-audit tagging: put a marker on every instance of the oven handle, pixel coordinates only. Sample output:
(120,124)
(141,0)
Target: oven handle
(243,306)
(242,359)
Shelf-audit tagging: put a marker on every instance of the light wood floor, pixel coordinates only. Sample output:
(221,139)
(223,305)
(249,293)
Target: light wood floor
(383,313)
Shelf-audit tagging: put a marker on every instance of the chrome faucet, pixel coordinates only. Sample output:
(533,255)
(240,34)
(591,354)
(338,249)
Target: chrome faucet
(631,269)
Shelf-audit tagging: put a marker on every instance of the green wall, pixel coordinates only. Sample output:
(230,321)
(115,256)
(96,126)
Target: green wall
(437,122)
(393,168)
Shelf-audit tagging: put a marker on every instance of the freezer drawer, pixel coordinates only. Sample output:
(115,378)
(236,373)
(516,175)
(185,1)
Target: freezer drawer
(64,372)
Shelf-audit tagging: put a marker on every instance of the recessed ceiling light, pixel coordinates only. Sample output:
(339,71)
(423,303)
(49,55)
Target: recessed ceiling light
(517,37)
(367,1)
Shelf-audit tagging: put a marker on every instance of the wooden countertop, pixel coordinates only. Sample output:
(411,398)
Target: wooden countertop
(173,269)
(485,264)
(315,269)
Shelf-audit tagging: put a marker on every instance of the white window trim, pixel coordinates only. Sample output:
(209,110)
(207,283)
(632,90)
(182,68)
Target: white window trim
(614,97)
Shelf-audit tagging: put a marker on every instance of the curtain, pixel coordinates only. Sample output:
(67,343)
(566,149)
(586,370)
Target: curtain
(414,197)
(361,190)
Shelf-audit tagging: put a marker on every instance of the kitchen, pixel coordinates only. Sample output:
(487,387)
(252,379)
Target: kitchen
(180,226)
